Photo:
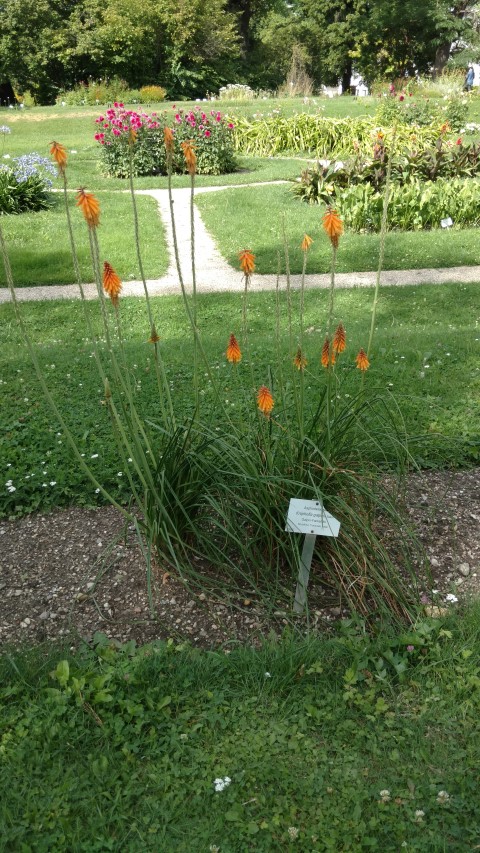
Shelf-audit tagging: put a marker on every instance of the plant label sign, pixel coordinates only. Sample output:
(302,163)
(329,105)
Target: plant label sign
(447,222)
(310,517)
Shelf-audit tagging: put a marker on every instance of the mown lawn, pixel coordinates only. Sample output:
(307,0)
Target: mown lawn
(332,744)
(426,354)
(255,217)
(39,247)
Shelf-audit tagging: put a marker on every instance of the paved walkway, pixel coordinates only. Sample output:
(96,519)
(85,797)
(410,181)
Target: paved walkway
(215,275)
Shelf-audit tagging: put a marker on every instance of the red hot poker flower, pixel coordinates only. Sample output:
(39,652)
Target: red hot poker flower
(247,261)
(89,206)
(111,282)
(339,339)
(300,361)
(362,360)
(233,353)
(265,400)
(333,226)
(59,154)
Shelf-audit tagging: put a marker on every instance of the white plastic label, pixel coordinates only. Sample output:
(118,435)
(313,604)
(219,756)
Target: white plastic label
(310,517)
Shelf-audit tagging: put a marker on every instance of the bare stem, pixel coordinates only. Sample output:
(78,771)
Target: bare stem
(383,233)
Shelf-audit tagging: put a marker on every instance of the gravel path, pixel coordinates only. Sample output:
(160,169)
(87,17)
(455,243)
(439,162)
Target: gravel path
(214,274)
(75,571)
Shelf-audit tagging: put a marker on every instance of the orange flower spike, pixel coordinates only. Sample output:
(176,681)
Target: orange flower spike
(168,139)
(265,400)
(325,357)
(89,206)
(132,136)
(306,243)
(332,225)
(233,353)
(247,261)
(59,154)
(362,360)
(111,282)
(300,361)
(190,156)
(339,339)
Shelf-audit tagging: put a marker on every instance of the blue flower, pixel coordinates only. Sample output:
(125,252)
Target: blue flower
(30,165)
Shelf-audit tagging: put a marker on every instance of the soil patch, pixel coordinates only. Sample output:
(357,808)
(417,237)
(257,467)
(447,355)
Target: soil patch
(74,572)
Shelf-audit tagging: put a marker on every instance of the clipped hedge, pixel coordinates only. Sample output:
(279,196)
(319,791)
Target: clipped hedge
(413,206)
(322,137)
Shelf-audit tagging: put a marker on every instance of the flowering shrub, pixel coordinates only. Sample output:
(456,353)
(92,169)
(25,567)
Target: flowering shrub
(24,185)
(210,135)
(236,92)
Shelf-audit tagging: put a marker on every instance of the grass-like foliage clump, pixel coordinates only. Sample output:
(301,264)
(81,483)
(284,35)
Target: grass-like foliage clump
(210,489)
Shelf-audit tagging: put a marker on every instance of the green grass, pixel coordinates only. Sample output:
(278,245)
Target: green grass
(308,731)
(253,217)
(39,246)
(425,353)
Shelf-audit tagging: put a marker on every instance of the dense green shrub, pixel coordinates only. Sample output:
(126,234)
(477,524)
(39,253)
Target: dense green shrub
(152,94)
(211,136)
(109,91)
(413,205)
(24,186)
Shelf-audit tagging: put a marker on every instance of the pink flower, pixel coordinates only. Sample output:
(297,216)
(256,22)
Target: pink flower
(218,117)
(207,133)
(230,125)
(459,141)
(410,648)
(401,97)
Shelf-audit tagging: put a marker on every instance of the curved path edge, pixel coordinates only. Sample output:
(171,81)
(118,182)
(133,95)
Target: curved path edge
(215,275)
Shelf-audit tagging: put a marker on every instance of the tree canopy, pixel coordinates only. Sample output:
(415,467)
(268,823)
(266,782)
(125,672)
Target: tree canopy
(194,46)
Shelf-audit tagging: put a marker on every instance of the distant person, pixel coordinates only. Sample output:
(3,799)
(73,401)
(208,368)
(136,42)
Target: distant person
(470,76)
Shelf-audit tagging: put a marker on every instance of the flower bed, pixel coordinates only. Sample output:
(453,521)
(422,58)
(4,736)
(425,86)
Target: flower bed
(323,137)
(210,136)
(412,206)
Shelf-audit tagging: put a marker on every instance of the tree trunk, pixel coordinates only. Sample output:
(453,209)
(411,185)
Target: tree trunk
(7,95)
(441,58)
(346,77)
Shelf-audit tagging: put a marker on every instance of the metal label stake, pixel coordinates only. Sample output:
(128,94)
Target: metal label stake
(311,518)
